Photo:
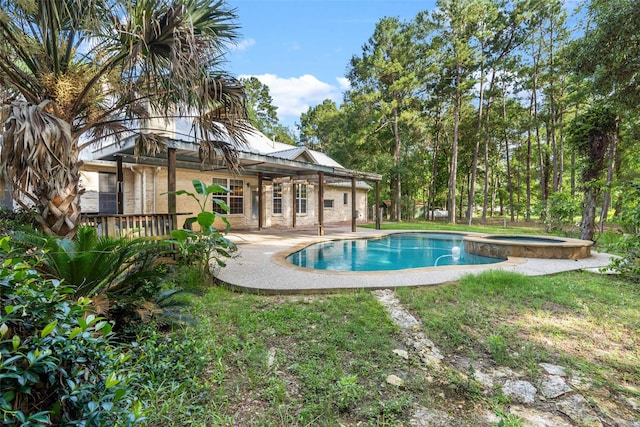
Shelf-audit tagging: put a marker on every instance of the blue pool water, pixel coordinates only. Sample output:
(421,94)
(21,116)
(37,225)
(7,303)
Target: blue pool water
(393,252)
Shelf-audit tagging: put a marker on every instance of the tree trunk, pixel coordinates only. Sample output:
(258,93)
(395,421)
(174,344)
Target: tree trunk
(506,148)
(499,194)
(394,197)
(587,227)
(493,195)
(461,207)
(534,101)
(573,171)
(551,126)
(607,193)
(59,213)
(39,157)
(527,209)
(485,192)
(396,154)
(434,176)
(518,185)
(485,199)
(454,153)
(551,137)
(560,151)
(476,150)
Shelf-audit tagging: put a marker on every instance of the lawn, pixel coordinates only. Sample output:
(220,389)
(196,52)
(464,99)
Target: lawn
(323,360)
(493,226)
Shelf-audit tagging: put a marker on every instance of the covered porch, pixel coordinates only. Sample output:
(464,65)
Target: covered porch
(255,182)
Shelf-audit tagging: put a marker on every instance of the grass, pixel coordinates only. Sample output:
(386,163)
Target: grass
(323,360)
(498,228)
(584,321)
(290,361)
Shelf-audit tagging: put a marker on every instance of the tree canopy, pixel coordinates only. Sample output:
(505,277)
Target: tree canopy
(475,107)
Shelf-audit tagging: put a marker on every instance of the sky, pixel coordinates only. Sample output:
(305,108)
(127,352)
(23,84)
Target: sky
(301,48)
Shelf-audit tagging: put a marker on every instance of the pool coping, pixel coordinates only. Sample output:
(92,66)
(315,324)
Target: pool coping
(259,265)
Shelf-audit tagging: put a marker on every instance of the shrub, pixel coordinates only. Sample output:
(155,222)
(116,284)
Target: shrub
(16,220)
(122,276)
(628,264)
(563,207)
(207,246)
(58,364)
(94,265)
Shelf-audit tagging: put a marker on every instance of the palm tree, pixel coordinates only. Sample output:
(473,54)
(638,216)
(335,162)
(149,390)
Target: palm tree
(77,72)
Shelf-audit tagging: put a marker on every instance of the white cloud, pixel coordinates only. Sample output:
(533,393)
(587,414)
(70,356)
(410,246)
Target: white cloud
(344,83)
(242,45)
(294,95)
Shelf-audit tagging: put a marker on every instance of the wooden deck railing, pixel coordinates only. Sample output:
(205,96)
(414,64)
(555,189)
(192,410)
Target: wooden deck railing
(132,225)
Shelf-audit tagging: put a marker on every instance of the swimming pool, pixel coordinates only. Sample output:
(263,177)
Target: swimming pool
(398,251)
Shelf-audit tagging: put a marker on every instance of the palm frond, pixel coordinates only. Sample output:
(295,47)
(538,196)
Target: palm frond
(37,148)
(149,144)
(224,125)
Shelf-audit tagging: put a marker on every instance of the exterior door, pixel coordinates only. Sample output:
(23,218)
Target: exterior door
(254,205)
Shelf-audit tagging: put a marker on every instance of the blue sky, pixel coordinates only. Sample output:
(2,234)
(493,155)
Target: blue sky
(301,48)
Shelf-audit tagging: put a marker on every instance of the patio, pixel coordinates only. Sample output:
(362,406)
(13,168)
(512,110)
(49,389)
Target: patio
(259,266)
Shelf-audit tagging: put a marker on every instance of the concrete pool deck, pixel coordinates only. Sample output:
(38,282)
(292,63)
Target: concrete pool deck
(258,266)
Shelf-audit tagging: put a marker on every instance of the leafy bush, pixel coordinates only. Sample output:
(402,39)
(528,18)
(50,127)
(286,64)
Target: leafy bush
(16,220)
(207,245)
(628,246)
(95,265)
(628,264)
(57,365)
(563,207)
(629,199)
(123,276)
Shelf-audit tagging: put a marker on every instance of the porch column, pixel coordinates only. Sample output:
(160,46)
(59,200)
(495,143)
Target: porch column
(320,204)
(353,204)
(293,204)
(119,186)
(377,207)
(260,201)
(171,186)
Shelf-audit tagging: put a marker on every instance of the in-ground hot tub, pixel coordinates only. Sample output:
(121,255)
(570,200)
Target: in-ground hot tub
(523,246)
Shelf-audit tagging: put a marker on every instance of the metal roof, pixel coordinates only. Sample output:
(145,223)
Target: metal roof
(260,154)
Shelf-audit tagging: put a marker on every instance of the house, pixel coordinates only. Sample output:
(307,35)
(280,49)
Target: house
(277,185)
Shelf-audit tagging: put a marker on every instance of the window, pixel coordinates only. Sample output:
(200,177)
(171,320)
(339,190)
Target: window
(107,186)
(277,198)
(235,199)
(328,203)
(345,198)
(301,198)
